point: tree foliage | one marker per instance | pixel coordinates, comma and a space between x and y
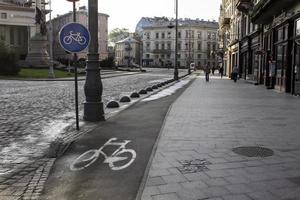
118, 34
8, 64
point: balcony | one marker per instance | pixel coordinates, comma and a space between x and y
265, 10
244, 5
161, 51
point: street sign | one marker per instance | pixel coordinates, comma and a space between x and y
74, 37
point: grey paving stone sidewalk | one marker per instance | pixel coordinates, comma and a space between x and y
195, 158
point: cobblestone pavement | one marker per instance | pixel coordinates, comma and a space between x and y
195, 158
35, 113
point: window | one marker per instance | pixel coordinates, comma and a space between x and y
3, 15
169, 35
163, 46
157, 35
2, 33
156, 46
12, 35
199, 35
298, 27
147, 55
199, 56
168, 56
179, 46
208, 36
199, 46
163, 35
169, 46
186, 34
179, 55
179, 34
148, 35
162, 56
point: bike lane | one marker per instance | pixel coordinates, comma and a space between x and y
137, 128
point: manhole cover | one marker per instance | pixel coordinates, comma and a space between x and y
193, 166
253, 151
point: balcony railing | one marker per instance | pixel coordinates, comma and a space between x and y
244, 5
162, 51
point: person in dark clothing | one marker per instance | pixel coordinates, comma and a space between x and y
213, 70
221, 71
207, 72
235, 73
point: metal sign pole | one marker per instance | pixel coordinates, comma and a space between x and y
74, 38
75, 72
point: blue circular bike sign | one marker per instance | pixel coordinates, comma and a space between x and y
74, 37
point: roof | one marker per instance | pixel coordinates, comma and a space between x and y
128, 39
148, 22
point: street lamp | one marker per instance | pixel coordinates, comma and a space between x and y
176, 40
93, 105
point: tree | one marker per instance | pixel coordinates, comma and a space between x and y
118, 34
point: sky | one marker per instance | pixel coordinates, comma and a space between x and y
127, 13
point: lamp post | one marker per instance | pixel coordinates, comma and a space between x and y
51, 71
93, 105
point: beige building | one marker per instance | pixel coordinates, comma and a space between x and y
127, 52
82, 18
197, 42
17, 25
229, 34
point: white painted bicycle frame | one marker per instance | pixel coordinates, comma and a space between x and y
110, 160
76, 37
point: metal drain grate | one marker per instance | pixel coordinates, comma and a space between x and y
252, 151
193, 166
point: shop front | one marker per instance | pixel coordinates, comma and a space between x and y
296, 67
244, 57
253, 69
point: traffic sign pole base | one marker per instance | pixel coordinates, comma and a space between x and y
93, 111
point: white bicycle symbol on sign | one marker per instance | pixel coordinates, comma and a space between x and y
89, 157
74, 37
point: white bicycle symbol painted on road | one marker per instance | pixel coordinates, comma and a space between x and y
74, 37
89, 157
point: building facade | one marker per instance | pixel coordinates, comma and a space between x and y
17, 25
268, 35
197, 42
127, 52
82, 18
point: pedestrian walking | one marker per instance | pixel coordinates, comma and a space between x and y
207, 72
235, 73
213, 70
221, 70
